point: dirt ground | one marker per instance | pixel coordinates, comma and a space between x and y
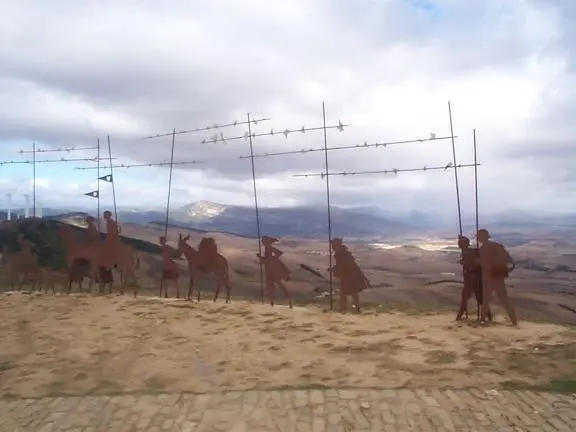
81, 344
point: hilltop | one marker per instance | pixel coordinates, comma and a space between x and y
418, 275
91, 346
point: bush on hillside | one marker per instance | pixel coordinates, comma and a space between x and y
44, 235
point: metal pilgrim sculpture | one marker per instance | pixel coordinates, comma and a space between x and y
99, 256
118, 254
77, 252
275, 271
92, 234
23, 265
352, 280
112, 234
205, 260
170, 270
485, 268
494, 260
472, 276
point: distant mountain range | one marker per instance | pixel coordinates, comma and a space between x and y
362, 223
305, 222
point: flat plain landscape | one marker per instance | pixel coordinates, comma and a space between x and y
405, 277
405, 335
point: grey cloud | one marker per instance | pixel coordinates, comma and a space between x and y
135, 68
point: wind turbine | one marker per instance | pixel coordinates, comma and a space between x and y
27, 208
9, 205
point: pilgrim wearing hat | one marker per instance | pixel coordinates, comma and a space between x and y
92, 233
494, 260
275, 270
352, 280
113, 242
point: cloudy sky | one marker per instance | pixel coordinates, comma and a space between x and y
72, 72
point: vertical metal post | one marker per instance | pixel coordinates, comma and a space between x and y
455, 169
481, 288
98, 181
113, 180
34, 179
113, 194
257, 210
328, 205
168, 198
476, 185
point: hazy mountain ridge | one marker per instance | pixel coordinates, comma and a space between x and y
305, 222
365, 223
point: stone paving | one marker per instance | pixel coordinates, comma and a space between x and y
296, 411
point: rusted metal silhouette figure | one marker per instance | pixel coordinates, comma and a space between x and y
170, 270
4, 265
128, 261
275, 270
23, 265
77, 272
494, 260
112, 231
94, 252
106, 277
51, 278
112, 242
90, 259
472, 278
92, 234
27, 248
97, 254
118, 254
206, 260
352, 280
81, 269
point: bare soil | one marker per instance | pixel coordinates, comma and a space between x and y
81, 344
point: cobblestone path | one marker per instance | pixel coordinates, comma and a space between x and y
297, 410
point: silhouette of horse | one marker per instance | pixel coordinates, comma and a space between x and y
205, 260
23, 265
94, 252
127, 260
98, 254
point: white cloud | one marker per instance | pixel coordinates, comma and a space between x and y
384, 67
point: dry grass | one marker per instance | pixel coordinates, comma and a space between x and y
95, 345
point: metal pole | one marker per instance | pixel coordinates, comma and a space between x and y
481, 283
113, 194
98, 181
455, 169
257, 210
328, 205
113, 181
168, 198
476, 185
34, 179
